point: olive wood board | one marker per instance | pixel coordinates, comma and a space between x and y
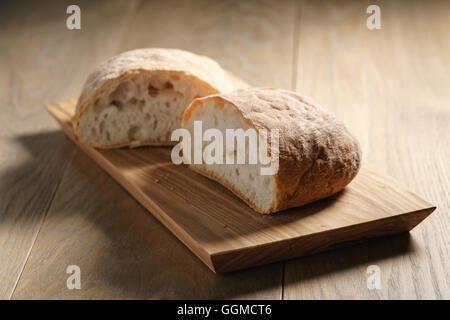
226, 234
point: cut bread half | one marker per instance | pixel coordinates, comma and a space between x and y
138, 97
316, 156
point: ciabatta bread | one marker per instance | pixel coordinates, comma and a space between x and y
138, 97
317, 155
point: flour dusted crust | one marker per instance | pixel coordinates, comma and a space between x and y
201, 72
317, 156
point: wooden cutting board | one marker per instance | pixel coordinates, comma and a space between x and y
226, 234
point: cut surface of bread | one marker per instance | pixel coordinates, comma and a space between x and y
317, 155
244, 179
138, 97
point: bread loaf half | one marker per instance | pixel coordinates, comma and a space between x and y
138, 97
317, 155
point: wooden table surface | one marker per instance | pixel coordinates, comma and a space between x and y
58, 208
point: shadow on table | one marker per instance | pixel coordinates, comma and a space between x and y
301, 273
127, 253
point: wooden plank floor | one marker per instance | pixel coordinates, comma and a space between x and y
391, 86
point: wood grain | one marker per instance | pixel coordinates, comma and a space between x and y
40, 61
252, 39
391, 88
241, 39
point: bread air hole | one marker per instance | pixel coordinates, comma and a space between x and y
152, 91
97, 106
120, 92
168, 85
132, 133
118, 104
